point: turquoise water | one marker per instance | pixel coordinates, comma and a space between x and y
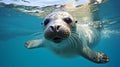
16, 28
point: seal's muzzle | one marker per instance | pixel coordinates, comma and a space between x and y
56, 33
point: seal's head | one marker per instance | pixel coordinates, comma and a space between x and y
58, 26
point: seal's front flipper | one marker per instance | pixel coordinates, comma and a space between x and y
34, 44
100, 58
96, 57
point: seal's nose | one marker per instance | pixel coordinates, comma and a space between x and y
55, 28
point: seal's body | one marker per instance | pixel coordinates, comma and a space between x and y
67, 38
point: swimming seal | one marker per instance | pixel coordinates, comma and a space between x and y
68, 38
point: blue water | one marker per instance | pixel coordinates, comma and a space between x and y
16, 28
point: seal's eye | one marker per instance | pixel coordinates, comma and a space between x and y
67, 20
46, 21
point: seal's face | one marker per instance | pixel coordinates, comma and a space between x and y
58, 26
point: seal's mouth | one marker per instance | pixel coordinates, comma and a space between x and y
57, 39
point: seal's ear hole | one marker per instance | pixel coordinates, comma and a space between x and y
41, 23
76, 21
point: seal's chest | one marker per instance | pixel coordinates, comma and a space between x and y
65, 52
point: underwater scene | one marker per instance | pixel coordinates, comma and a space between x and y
25, 20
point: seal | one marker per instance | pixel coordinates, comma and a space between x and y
66, 37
